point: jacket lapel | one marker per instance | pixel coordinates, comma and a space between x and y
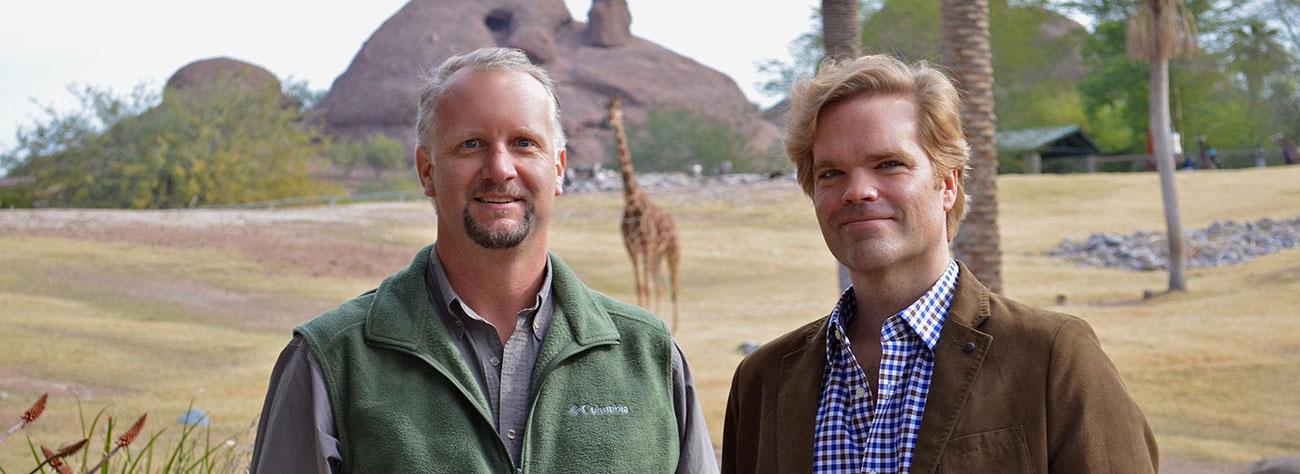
957, 360
798, 396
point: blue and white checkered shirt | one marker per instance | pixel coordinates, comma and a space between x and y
856, 433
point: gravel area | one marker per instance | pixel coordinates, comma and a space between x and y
1221, 243
611, 180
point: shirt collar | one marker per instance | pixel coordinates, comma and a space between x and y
924, 317
539, 315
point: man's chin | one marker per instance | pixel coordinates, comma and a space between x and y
499, 235
867, 257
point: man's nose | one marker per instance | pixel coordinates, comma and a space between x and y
861, 186
500, 165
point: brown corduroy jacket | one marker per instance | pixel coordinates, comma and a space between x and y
1015, 389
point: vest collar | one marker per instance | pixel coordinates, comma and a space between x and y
400, 313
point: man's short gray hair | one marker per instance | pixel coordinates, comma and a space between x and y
483, 59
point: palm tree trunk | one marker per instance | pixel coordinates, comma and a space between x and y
841, 31
1165, 165
967, 54
842, 37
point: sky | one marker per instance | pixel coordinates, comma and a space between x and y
47, 45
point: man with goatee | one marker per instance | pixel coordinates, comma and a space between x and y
487, 354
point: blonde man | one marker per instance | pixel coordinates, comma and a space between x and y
918, 368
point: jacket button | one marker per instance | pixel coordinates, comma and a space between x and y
512, 434
968, 348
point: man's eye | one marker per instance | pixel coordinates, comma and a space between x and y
829, 174
525, 142
474, 143
890, 164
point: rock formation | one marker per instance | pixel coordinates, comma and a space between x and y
589, 63
609, 23
200, 75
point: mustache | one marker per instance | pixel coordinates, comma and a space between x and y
861, 211
508, 189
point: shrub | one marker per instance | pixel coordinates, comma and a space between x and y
226, 145
673, 139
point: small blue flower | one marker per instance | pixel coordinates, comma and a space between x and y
194, 416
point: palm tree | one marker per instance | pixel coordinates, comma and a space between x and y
1158, 31
1256, 52
965, 51
842, 37
841, 29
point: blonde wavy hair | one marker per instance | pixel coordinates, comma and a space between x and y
938, 114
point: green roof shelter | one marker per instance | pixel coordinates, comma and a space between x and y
1045, 143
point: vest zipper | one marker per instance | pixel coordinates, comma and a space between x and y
465, 393
543, 375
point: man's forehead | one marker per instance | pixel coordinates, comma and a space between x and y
469, 77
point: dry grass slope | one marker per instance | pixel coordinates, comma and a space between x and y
144, 310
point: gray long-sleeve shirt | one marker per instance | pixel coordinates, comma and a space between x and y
297, 426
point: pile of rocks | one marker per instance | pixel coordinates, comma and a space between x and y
1222, 243
610, 180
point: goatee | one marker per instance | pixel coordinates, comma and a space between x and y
501, 238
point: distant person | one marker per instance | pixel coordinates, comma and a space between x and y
1259, 156
486, 354
723, 168
1207, 157
918, 365
1288, 148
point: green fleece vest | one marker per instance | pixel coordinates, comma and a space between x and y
404, 399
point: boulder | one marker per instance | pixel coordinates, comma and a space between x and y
199, 76
609, 23
377, 92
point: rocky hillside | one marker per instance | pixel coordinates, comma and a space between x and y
590, 62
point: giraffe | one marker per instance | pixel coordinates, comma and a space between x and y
649, 232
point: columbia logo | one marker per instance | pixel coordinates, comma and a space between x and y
587, 409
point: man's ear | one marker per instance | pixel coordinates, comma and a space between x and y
424, 168
949, 186
560, 164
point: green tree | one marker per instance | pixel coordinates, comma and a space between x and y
1114, 92
1256, 53
1029, 42
383, 153
226, 144
674, 139
346, 156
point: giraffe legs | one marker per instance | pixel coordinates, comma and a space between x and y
638, 275
658, 281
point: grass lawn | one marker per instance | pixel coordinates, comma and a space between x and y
142, 311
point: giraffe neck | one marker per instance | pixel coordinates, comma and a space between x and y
630, 188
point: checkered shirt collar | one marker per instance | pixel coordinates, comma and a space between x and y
924, 317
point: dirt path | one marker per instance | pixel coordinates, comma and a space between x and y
332, 242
